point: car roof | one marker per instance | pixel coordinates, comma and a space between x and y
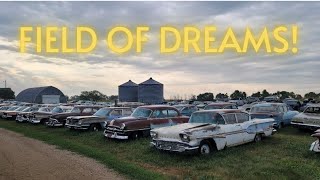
220, 104
153, 107
268, 104
116, 108
221, 111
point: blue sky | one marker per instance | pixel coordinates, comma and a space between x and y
180, 73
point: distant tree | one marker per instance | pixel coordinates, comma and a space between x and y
205, 97
6, 93
193, 97
265, 93
299, 97
312, 95
112, 98
222, 96
93, 96
238, 94
257, 94
74, 98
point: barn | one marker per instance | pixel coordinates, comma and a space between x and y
42, 95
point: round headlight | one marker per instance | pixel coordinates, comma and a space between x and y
122, 126
153, 134
80, 121
185, 137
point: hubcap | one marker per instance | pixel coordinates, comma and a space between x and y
95, 128
258, 138
205, 149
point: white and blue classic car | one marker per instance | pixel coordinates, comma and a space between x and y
280, 112
210, 130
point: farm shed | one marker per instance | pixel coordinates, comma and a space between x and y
45, 95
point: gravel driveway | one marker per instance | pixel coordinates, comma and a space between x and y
26, 158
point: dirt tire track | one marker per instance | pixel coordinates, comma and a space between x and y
26, 158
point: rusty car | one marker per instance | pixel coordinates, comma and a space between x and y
24, 114
59, 119
41, 117
308, 119
211, 130
98, 120
144, 118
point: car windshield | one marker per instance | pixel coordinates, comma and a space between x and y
262, 109
13, 108
179, 107
141, 112
26, 109
103, 112
212, 107
204, 117
43, 109
21, 108
57, 110
4, 108
292, 102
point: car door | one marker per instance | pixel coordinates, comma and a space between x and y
247, 131
232, 130
312, 116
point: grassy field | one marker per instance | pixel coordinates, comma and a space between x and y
283, 156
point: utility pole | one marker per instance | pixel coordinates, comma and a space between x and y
5, 83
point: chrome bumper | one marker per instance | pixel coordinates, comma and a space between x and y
54, 123
34, 121
80, 127
315, 146
173, 146
115, 135
21, 119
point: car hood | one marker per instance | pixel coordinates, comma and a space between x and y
64, 115
172, 132
86, 117
119, 121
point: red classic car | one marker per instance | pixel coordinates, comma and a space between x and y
142, 120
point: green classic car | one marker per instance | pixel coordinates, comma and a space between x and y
308, 119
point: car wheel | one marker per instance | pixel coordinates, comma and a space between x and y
258, 138
280, 126
134, 136
204, 148
94, 127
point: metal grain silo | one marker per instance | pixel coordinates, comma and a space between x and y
128, 92
150, 92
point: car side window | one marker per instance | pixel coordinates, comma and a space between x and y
280, 109
95, 110
242, 117
126, 112
116, 112
234, 107
159, 114
230, 118
220, 119
173, 113
227, 107
87, 110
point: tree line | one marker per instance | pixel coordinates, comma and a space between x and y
208, 96
94, 95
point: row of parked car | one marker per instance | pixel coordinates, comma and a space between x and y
180, 128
